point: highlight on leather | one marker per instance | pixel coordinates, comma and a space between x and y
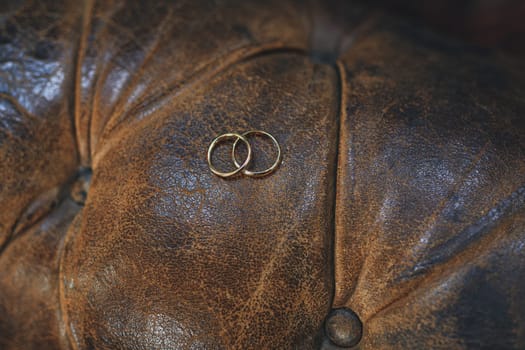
395, 220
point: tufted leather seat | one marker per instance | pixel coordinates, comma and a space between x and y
395, 221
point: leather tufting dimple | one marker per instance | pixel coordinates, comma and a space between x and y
80, 187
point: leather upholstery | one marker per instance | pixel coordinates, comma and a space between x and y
400, 196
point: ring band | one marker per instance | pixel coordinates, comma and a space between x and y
243, 166
239, 168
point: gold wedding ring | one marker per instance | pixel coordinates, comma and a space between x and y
222, 138
262, 172
243, 167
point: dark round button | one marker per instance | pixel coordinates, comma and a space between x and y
343, 327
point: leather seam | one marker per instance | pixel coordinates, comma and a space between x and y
87, 14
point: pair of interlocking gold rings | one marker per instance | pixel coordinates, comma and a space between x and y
243, 167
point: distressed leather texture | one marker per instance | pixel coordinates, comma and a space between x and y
400, 196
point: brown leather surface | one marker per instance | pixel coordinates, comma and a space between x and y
400, 195
430, 193
495, 23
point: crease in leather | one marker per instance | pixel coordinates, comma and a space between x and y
117, 110
409, 274
154, 103
114, 132
82, 147
148, 101
352, 38
69, 331
447, 269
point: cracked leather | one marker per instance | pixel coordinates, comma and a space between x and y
401, 193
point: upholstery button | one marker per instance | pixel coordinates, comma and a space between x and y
343, 327
80, 187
